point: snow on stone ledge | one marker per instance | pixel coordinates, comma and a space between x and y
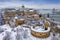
41, 30
58, 26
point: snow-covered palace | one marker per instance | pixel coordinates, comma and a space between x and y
28, 24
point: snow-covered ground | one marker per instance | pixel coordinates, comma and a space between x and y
20, 33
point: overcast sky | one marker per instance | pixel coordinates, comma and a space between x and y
31, 3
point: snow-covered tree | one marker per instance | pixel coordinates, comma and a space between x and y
8, 36
1, 30
1, 19
19, 35
25, 35
54, 37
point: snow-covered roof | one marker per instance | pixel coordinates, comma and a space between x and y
16, 17
31, 10
58, 26
35, 15
21, 19
24, 25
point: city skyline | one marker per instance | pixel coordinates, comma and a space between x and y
39, 4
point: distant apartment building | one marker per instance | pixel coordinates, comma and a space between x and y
54, 15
